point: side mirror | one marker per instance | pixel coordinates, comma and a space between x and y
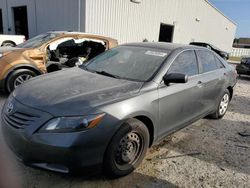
175, 78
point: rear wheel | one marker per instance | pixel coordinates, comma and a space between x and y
9, 43
126, 149
222, 106
18, 77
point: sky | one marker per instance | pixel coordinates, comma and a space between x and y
238, 11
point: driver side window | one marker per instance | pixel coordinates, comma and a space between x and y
185, 63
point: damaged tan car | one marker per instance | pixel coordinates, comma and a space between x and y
48, 52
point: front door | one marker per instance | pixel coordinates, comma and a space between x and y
180, 103
21, 21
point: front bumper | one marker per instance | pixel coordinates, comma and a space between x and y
61, 152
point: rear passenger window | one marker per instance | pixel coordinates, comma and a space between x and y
207, 60
185, 63
218, 62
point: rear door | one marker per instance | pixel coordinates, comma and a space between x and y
212, 80
180, 103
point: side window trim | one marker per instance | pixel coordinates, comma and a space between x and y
200, 68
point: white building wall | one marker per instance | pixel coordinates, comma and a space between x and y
126, 21
8, 17
130, 22
46, 15
4, 15
61, 15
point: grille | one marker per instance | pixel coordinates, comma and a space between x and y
20, 120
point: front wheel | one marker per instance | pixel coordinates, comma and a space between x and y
18, 77
222, 106
126, 149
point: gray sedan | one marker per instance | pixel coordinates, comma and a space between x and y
108, 112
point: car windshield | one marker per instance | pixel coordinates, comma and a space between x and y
38, 40
128, 62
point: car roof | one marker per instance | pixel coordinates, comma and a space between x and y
82, 33
199, 43
163, 45
204, 43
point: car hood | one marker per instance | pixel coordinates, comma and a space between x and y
6, 49
74, 92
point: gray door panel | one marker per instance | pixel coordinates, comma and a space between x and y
213, 83
179, 104
213, 79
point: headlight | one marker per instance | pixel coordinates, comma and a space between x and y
70, 124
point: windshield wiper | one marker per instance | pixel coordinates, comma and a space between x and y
107, 74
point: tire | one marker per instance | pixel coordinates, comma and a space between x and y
15, 79
126, 149
222, 106
12, 44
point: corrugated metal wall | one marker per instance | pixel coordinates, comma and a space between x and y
59, 15
8, 18
45, 15
129, 21
4, 16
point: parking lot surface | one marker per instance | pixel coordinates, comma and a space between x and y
208, 153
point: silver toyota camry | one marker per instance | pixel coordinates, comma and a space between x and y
109, 111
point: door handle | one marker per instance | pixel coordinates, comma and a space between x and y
199, 84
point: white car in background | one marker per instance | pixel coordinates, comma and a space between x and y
11, 40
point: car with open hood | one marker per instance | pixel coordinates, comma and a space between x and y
48, 52
108, 112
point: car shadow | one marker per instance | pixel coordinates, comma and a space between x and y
50, 179
237, 107
3, 94
217, 142
25, 176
